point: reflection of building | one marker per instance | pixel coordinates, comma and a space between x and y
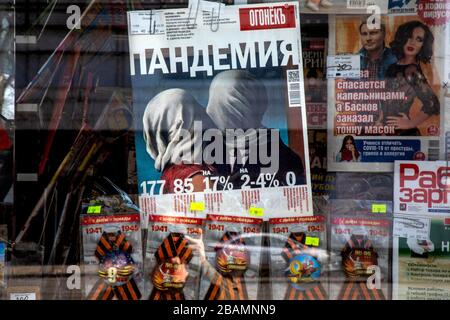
6, 64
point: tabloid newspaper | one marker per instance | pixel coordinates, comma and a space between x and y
422, 188
386, 100
421, 242
219, 110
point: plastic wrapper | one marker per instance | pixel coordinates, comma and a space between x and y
233, 258
363, 186
298, 258
359, 251
172, 269
112, 257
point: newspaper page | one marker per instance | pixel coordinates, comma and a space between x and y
219, 110
421, 258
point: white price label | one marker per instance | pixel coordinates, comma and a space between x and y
22, 296
344, 66
146, 22
356, 4
418, 228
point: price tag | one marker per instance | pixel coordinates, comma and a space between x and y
379, 208
311, 241
258, 212
94, 210
356, 4
197, 206
344, 66
22, 296
406, 227
147, 22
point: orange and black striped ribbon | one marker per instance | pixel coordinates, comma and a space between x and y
103, 291
356, 289
224, 287
104, 246
174, 245
293, 247
227, 288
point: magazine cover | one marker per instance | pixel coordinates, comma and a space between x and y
386, 99
314, 75
219, 107
233, 258
322, 181
421, 258
298, 258
359, 250
112, 257
422, 188
172, 268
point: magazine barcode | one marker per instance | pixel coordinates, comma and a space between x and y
294, 87
356, 4
294, 97
433, 150
433, 144
293, 77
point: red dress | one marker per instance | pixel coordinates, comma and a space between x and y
182, 171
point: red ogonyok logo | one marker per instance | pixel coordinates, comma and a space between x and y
274, 17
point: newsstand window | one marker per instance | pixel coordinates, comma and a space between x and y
224, 150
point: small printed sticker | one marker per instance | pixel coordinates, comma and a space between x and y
94, 209
259, 212
379, 208
311, 241
22, 296
344, 66
146, 22
197, 206
417, 228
